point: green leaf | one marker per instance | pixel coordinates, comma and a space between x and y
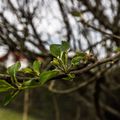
36, 67
27, 70
81, 54
65, 58
55, 62
5, 86
55, 50
30, 84
13, 69
9, 97
65, 46
47, 75
76, 60
69, 76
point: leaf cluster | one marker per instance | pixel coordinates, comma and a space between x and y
61, 63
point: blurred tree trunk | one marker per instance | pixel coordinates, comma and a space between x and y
26, 105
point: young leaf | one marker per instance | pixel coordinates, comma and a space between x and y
65, 46
47, 75
78, 57
76, 60
9, 97
55, 50
36, 67
26, 70
81, 54
55, 62
13, 69
5, 86
65, 58
69, 76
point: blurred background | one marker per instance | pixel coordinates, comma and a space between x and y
29, 27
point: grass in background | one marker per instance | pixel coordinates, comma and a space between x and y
7, 114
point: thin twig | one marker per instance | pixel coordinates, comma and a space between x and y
81, 85
110, 59
99, 30
21, 78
